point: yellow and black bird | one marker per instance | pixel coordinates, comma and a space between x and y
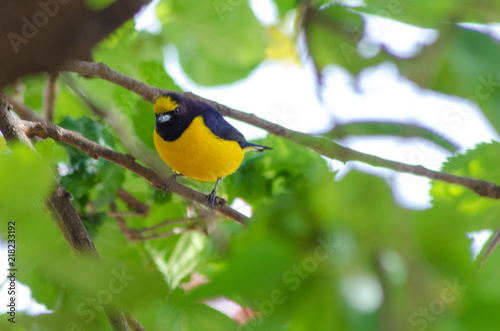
195, 140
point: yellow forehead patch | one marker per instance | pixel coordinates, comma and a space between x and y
164, 104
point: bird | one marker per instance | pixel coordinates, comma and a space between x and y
195, 140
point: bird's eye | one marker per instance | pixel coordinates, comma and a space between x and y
177, 110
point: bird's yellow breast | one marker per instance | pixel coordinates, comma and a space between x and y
200, 154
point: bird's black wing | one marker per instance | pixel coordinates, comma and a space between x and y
219, 126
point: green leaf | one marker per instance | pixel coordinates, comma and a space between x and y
137, 54
313, 306
111, 179
144, 123
90, 129
88, 178
465, 212
93, 222
332, 36
26, 181
34, 86
192, 317
3, 146
218, 42
68, 104
433, 13
479, 306
475, 212
118, 253
98, 4
289, 262
26, 184
171, 208
264, 175
464, 63
51, 151
153, 73
285, 6
46, 148
182, 260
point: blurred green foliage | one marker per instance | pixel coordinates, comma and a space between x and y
320, 253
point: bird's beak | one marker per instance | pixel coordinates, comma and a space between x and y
162, 118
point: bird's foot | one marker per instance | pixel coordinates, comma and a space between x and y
212, 199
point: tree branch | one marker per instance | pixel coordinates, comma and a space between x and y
50, 95
67, 219
141, 234
488, 248
132, 202
21, 110
371, 128
133, 324
319, 144
75, 139
101, 70
70, 34
171, 222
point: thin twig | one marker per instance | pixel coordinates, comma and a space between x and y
125, 214
71, 84
75, 139
116, 214
50, 95
133, 324
139, 234
166, 234
171, 222
488, 248
319, 144
132, 202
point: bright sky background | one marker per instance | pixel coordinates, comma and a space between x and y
287, 94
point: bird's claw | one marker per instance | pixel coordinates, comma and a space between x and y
213, 199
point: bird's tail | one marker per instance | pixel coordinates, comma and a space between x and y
254, 147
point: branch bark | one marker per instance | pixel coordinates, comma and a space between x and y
320, 144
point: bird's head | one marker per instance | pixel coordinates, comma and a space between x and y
174, 113
167, 107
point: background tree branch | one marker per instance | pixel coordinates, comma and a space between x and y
65, 214
69, 31
22, 110
372, 128
50, 95
322, 145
